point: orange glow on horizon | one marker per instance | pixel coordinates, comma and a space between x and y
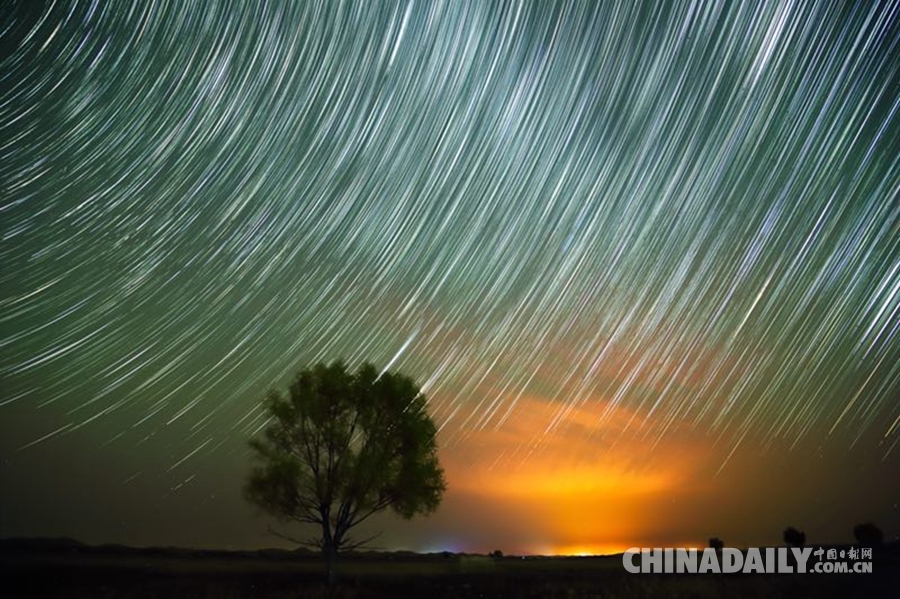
586, 489
585, 550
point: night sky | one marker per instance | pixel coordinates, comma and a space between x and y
643, 260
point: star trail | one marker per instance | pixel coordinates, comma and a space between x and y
665, 232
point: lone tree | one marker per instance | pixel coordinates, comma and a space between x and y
868, 534
794, 537
341, 447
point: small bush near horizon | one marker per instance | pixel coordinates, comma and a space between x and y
868, 534
794, 537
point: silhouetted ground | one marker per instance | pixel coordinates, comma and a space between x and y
67, 569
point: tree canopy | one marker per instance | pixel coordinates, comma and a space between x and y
342, 446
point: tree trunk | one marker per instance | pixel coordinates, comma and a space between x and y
331, 559
329, 546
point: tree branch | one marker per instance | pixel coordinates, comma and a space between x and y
308, 543
350, 545
379, 505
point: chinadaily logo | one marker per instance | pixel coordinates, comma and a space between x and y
768, 560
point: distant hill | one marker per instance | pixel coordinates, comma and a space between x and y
54, 544
67, 545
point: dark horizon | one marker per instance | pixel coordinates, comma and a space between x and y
642, 259
66, 543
